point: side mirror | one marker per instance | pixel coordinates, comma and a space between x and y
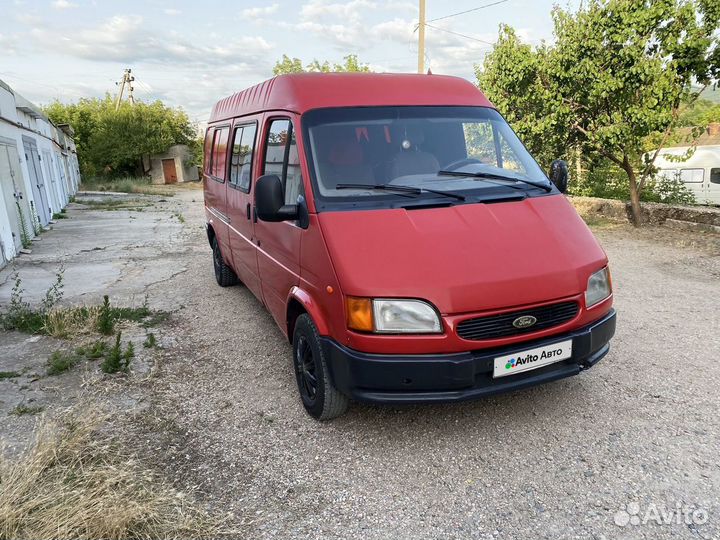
270, 202
559, 174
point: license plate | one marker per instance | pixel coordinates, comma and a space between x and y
510, 364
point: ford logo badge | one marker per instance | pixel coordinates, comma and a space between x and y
526, 321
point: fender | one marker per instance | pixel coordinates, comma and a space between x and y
310, 306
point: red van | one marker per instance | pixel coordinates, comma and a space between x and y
403, 239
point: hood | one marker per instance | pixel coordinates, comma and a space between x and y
464, 258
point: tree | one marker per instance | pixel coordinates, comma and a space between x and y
120, 142
294, 65
618, 73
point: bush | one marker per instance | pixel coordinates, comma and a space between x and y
611, 183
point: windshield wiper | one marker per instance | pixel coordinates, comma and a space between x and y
546, 187
401, 189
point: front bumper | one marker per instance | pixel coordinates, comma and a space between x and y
457, 377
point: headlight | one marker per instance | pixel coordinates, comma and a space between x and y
599, 287
386, 316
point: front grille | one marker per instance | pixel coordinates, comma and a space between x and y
498, 326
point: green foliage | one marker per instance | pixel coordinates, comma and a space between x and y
700, 113
106, 321
59, 215
150, 341
116, 360
114, 143
35, 219
608, 181
21, 316
24, 235
294, 65
9, 375
618, 72
62, 361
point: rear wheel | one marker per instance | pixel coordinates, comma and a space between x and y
320, 398
224, 275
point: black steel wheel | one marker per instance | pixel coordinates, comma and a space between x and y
318, 394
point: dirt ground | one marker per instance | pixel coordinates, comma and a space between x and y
217, 409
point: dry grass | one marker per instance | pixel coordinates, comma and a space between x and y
76, 482
70, 322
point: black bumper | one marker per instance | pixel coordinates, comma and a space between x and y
456, 377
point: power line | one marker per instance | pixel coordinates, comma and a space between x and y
458, 34
466, 11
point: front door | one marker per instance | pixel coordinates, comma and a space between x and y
169, 171
37, 182
278, 244
239, 204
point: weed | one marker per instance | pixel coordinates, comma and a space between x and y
21, 410
54, 294
129, 353
64, 210
116, 360
9, 374
37, 228
179, 217
61, 361
59, 215
24, 234
106, 321
150, 341
97, 350
20, 316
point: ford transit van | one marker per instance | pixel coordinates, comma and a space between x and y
403, 239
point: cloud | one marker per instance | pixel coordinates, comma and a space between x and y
63, 4
172, 12
124, 38
259, 12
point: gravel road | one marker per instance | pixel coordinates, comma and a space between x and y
638, 434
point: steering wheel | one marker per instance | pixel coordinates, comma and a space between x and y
460, 163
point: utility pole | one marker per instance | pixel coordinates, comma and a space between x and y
421, 38
128, 79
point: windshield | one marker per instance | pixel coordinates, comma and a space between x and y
415, 147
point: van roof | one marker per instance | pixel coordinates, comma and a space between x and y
300, 92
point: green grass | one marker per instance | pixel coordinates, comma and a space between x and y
150, 341
21, 410
62, 361
9, 374
59, 215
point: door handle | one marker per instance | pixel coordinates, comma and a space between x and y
247, 210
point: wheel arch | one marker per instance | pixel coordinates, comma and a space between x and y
299, 302
210, 233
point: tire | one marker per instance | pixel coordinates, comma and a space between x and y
320, 398
224, 275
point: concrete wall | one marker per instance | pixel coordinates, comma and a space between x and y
185, 172
23, 125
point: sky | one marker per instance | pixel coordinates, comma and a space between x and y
191, 53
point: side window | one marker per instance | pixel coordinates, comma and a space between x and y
282, 158
242, 155
715, 176
207, 150
293, 182
692, 176
219, 153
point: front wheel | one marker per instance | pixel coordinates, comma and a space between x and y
320, 398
